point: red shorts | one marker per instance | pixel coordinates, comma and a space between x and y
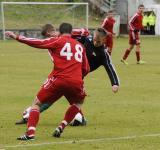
134, 38
55, 88
109, 41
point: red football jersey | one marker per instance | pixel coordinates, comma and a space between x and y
135, 22
108, 24
68, 55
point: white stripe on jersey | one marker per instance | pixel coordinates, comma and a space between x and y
104, 22
49, 52
33, 39
111, 65
132, 20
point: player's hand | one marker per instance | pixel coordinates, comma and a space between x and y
115, 88
109, 33
10, 34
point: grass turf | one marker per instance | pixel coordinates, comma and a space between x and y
134, 110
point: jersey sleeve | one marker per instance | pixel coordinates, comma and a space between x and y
104, 23
80, 32
85, 65
107, 63
38, 43
132, 23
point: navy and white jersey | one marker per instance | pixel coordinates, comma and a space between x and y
98, 56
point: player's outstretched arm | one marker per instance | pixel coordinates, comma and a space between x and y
33, 42
111, 73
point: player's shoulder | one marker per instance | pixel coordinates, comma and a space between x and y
135, 15
106, 19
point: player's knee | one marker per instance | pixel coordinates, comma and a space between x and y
44, 106
131, 47
36, 106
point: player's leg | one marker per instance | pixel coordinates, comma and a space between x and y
49, 93
75, 94
25, 114
109, 44
126, 54
43, 107
132, 42
138, 55
79, 119
32, 121
69, 116
137, 51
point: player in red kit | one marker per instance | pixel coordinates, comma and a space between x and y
135, 25
108, 25
70, 66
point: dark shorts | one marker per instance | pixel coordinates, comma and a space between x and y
55, 88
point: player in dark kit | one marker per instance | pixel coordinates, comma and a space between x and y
70, 67
96, 55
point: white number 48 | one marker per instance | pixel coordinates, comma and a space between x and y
66, 51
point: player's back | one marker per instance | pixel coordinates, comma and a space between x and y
67, 54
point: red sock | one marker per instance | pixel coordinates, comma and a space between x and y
138, 55
32, 122
126, 54
69, 116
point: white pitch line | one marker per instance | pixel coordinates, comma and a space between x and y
84, 141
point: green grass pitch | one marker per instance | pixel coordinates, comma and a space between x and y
133, 111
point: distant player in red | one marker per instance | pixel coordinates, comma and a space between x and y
108, 25
135, 25
70, 66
